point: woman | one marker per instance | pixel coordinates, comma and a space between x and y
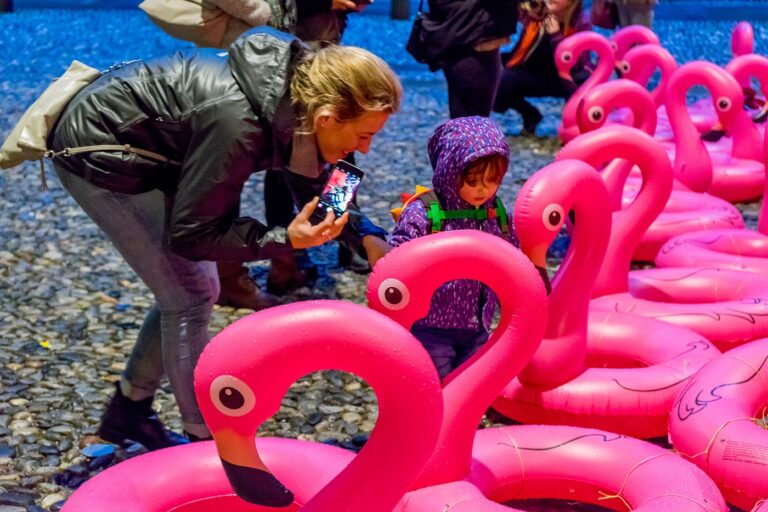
529, 71
270, 103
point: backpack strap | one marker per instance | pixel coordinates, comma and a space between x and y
436, 215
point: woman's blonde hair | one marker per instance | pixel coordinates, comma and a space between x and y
345, 82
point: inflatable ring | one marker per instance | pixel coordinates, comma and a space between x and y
592, 466
713, 424
728, 307
737, 249
631, 399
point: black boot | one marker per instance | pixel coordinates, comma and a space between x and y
287, 273
127, 419
351, 260
239, 290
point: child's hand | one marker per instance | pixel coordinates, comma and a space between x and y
302, 234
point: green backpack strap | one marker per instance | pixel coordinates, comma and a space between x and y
436, 215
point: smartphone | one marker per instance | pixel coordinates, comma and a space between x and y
363, 2
340, 189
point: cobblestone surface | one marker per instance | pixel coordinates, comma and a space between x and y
70, 308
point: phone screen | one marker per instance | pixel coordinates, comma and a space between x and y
341, 187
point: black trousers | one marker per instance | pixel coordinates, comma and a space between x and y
518, 83
472, 80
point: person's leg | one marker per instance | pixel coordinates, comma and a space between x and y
184, 291
469, 343
635, 14
472, 82
515, 85
438, 343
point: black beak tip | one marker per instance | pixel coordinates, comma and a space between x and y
713, 135
257, 486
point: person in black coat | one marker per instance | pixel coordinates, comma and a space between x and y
183, 135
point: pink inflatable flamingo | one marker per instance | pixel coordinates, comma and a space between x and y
626, 38
717, 422
639, 65
567, 54
547, 461
685, 211
738, 249
400, 288
742, 39
633, 400
240, 380
692, 163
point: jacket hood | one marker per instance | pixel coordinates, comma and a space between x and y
454, 146
262, 62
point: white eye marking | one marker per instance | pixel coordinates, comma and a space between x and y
724, 104
566, 56
394, 294
231, 396
596, 114
553, 216
625, 67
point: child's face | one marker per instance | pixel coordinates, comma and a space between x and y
478, 188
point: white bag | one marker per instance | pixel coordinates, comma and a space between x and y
28, 139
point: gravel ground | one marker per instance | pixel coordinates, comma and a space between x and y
70, 308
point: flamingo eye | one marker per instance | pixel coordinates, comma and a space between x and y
596, 114
231, 396
394, 294
614, 46
724, 104
566, 57
625, 67
553, 216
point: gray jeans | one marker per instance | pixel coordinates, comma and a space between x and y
175, 329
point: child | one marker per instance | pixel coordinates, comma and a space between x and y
469, 156
529, 70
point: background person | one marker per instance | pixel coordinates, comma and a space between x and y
529, 70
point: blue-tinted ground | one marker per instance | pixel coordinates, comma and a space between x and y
37, 45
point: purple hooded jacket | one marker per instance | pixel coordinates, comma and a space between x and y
462, 304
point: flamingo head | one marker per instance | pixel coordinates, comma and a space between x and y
627, 38
727, 96
544, 201
593, 109
742, 39
402, 282
570, 49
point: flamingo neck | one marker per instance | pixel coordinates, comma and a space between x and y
601, 74
573, 282
693, 165
408, 408
615, 175
470, 389
762, 220
747, 141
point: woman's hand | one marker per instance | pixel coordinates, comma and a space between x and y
551, 25
376, 248
303, 234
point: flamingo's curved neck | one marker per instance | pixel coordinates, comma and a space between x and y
693, 165
601, 74
407, 408
762, 220
573, 282
470, 389
747, 141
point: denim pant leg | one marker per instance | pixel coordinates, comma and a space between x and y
438, 345
184, 290
470, 344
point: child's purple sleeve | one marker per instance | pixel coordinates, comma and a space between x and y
411, 224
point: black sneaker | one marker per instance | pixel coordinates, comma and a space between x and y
530, 121
127, 420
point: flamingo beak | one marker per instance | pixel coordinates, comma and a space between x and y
565, 75
761, 116
714, 134
249, 477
